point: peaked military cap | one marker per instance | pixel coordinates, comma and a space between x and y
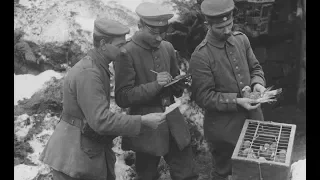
218, 12
106, 27
153, 14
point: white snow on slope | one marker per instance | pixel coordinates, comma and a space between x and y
26, 85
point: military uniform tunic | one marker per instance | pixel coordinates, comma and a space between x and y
136, 88
219, 72
86, 97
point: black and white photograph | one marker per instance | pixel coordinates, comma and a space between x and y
160, 89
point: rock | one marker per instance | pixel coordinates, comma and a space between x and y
298, 170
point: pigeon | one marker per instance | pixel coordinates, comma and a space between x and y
263, 150
272, 150
246, 144
262, 158
251, 154
281, 156
267, 96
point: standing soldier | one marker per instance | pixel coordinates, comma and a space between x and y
80, 147
143, 91
221, 66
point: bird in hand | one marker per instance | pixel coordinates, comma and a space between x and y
267, 95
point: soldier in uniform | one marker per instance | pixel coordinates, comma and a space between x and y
80, 147
221, 65
143, 91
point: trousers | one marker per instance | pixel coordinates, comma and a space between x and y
181, 163
221, 159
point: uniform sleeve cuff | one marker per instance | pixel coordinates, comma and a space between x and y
230, 100
232, 106
258, 80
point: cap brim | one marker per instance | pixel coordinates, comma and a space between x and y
156, 22
223, 24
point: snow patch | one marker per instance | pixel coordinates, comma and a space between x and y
24, 172
85, 23
298, 170
26, 85
21, 127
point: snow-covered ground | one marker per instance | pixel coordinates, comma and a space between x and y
298, 170
26, 85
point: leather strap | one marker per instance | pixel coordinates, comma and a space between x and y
74, 121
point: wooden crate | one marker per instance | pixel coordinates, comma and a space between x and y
254, 136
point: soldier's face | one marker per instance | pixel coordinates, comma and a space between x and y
113, 48
221, 33
119, 41
154, 35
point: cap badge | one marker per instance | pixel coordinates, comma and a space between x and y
160, 22
225, 18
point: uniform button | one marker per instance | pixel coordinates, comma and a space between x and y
234, 100
239, 75
221, 100
241, 83
155, 57
230, 52
237, 67
234, 60
158, 66
227, 100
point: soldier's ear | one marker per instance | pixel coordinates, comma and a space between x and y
102, 42
140, 26
206, 23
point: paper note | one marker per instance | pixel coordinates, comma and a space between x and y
172, 107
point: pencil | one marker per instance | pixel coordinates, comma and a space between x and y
153, 71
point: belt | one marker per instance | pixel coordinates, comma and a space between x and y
74, 121
77, 122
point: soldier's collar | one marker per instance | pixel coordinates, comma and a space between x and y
220, 44
137, 38
101, 60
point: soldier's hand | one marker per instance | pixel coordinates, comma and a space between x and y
164, 78
249, 104
153, 120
